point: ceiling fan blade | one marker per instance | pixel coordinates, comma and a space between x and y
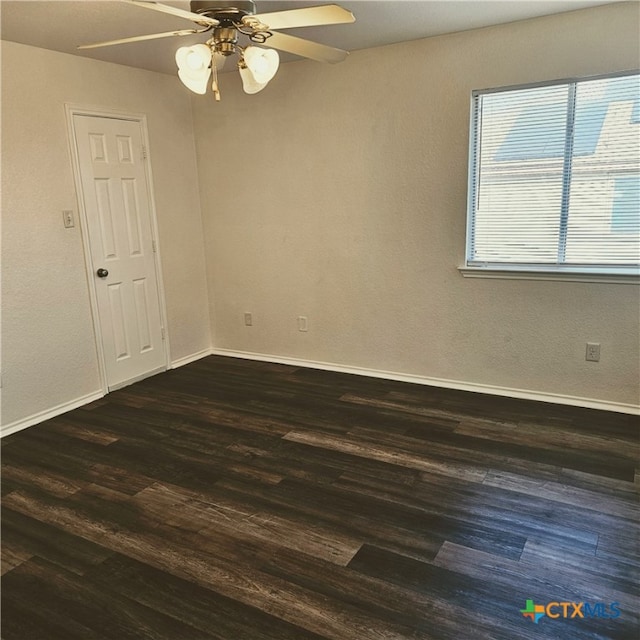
181, 13
306, 17
151, 36
306, 48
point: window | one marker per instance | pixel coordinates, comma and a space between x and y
555, 177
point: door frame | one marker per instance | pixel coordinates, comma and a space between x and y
72, 110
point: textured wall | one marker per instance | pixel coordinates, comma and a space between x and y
339, 193
49, 355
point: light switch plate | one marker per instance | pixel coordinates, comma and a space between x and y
67, 218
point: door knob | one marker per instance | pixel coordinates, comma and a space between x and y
102, 273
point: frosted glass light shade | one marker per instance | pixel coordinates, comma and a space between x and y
194, 58
193, 67
249, 83
263, 63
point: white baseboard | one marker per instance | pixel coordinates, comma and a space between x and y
539, 396
525, 394
180, 362
36, 418
23, 423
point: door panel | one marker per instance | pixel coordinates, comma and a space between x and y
116, 201
118, 321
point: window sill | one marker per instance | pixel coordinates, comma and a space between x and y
542, 274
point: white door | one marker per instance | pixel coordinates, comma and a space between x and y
115, 192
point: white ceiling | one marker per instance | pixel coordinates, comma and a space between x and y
62, 25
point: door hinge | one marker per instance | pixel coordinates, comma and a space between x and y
144, 152
154, 247
162, 332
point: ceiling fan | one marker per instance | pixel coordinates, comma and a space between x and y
228, 20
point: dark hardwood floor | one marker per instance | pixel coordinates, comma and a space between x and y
241, 500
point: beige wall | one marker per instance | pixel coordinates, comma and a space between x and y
49, 356
339, 193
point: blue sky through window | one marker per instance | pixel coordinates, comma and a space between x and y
539, 131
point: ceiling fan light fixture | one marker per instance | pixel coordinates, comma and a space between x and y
197, 85
249, 83
200, 63
194, 67
195, 58
262, 63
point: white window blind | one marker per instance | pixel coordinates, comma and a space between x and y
555, 177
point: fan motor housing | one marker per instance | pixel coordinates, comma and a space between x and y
227, 13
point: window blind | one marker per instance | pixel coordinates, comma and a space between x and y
555, 176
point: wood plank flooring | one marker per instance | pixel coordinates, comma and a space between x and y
238, 500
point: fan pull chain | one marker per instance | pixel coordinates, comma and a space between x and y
214, 83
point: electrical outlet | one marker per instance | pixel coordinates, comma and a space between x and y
302, 323
67, 218
248, 320
593, 352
